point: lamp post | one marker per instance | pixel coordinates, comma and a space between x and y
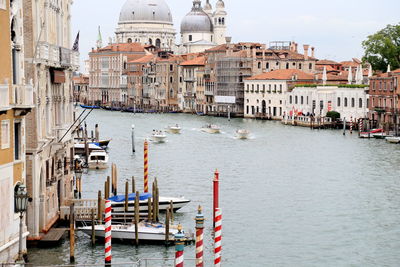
78, 175
21, 200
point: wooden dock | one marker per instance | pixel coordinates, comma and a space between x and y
54, 236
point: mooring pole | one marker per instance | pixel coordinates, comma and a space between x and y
107, 234
146, 166
179, 247
133, 185
218, 237
71, 233
97, 133
215, 193
137, 217
199, 237
133, 139
344, 126
93, 230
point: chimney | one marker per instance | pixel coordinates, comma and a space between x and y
312, 52
296, 47
293, 46
228, 40
306, 51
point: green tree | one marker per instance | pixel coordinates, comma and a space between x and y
383, 48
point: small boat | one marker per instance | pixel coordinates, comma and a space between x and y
243, 134
158, 137
118, 203
151, 232
80, 148
174, 129
371, 133
210, 128
98, 160
104, 143
393, 139
89, 107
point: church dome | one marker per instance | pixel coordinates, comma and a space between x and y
196, 20
145, 11
220, 4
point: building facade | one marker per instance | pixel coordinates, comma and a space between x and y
81, 89
16, 101
50, 64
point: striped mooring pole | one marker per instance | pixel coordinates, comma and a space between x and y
179, 247
218, 237
351, 125
360, 126
215, 193
199, 237
107, 234
146, 166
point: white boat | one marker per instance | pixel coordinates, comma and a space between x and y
210, 128
393, 139
80, 148
158, 137
174, 129
118, 203
98, 160
243, 134
146, 231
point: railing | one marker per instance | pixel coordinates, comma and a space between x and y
189, 79
57, 56
23, 95
4, 96
82, 209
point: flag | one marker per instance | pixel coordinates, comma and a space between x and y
75, 47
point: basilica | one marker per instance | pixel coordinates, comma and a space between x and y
150, 22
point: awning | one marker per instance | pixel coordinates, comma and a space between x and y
58, 76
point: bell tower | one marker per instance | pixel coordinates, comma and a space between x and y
219, 21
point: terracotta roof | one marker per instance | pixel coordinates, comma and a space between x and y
396, 71
327, 62
349, 64
221, 47
143, 59
122, 47
199, 61
286, 74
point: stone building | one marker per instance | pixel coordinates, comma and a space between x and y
107, 76
81, 89
384, 104
16, 101
148, 22
50, 64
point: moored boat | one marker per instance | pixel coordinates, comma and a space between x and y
210, 128
243, 133
89, 107
98, 160
393, 139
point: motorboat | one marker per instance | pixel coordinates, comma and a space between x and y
176, 129
158, 137
80, 148
98, 160
211, 128
151, 232
372, 133
243, 134
118, 203
89, 107
393, 139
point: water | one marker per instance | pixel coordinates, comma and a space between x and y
290, 196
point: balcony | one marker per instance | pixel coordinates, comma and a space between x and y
4, 97
56, 56
189, 79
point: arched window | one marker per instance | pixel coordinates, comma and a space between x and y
295, 99
190, 38
158, 43
223, 21
301, 100
267, 65
360, 103
150, 42
353, 102
310, 66
259, 65
252, 87
338, 101
287, 65
299, 66
290, 99
129, 40
345, 101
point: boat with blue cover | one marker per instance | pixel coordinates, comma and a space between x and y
89, 107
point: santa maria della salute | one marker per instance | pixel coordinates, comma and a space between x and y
150, 22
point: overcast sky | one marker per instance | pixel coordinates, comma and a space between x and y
335, 28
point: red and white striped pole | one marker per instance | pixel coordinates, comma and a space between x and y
218, 237
199, 238
146, 167
179, 247
351, 124
107, 232
216, 193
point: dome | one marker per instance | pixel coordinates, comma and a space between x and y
145, 10
220, 4
196, 20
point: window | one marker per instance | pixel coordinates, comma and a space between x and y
2, 4
299, 66
267, 65
345, 101
338, 101
259, 65
158, 43
5, 134
190, 38
287, 65
295, 99
17, 141
301, 100
171, 67
310, 66
129, 40
321, 105
252, 110
353, 102
290, 99
247, 109
360, 103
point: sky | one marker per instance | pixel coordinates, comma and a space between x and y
335, 28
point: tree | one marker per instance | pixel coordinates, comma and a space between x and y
333, 114
383, 48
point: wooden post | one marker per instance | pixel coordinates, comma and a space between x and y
154, 206
137, 217
149, 209
167, 227
71, 233
133, 185
93, 231
112, 178
99, 209
126, 195
105, 189
115, 181
108, 188
171, 209
157, 205
80, 188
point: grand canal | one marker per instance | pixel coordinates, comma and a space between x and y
290, 196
